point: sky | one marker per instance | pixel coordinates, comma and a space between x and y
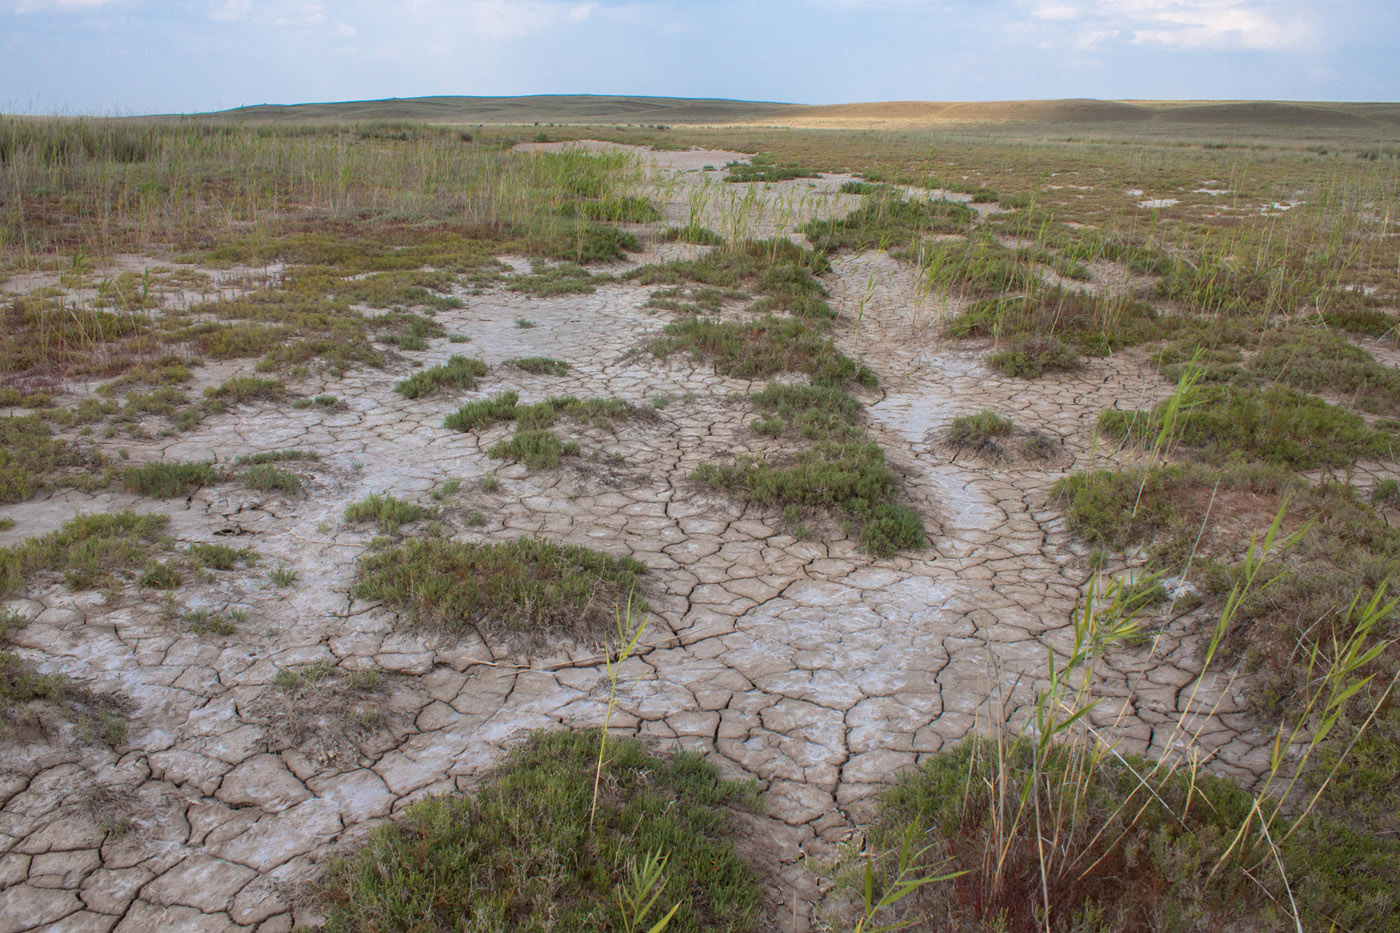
116, 57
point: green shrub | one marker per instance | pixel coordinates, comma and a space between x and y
473, 416
539, 365
519, 853
850, 478
88, 550
29, 455
265, 477
278, 456
538, 450
459, 372
561, 279
762, 168
888, 222
1120, 508
762, 348
158, 576
1277, 425
1032, 357
220, 556
246, 389
168, 480
387, 510
1125, 856
528, 586
983, 433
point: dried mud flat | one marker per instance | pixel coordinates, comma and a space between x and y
802, 663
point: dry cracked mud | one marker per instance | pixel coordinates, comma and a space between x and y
806, 665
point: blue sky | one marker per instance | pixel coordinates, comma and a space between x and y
142, 56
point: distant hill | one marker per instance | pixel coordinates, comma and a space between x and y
590, 109
544, 108
1251, 114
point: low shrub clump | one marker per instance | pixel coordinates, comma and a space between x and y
266, 477
1125, 854
89, 551
246, 389
763, 348
459, 372
561, 279
1090, 324
386, 510
537, 449
473, 416
169, 480
762, 167
888, 222
29, 455
850, 478
525, 851
984, 432
539, 365
529, 587
1277, 425
1032, 357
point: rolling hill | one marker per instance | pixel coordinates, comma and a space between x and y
1152, 116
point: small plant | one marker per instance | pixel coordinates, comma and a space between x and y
528, 587
459, 372
89, 551
523, 323
538, 450
204, 622
265, 477
278, 456
386, 510
474, 416
168, 480
221, 556
489, 861
982, 431
446, 489
539, 365
292, 680
282, 576
1386, 493
159, 576
246, 389
489, 482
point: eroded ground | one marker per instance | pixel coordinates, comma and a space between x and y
798, 661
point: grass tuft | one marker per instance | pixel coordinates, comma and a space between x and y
88, 551
386, 510
528, 587
520, 853
537, 449
459, 372
168, 480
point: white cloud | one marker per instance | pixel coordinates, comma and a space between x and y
1057, 11
56, 6
1180, 24
504, 19
231, 10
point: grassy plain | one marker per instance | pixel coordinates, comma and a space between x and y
1255, 250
